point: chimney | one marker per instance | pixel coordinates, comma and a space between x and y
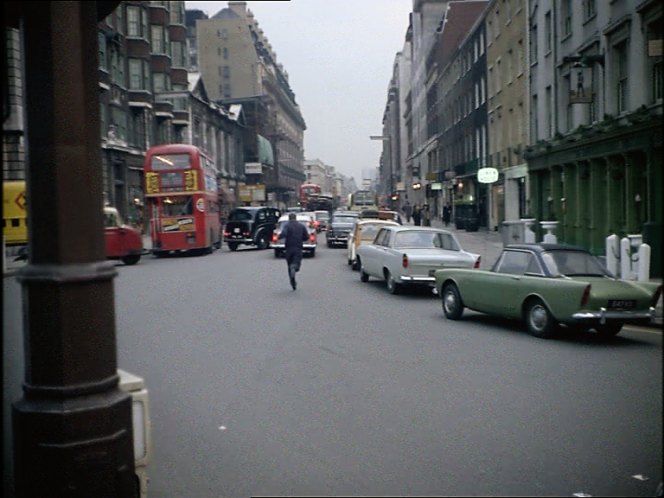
240, 8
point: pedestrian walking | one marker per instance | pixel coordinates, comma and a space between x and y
407, 209
426, 216
294, 234
447, 214
417, 215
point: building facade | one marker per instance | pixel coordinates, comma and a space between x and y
238, 65
595, 161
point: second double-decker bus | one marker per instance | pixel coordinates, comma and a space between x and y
182, 199
363, 199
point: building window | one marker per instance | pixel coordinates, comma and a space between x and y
103, 64
533, 43
117, 68
225, 53
548, 33
178, 54
119, 121
567, 87
588, 9
566, 18
138, 133
621, 71
161, 82
548, 115
135, 22
654, 62
119, 19
176, 12
158, 39
533, 122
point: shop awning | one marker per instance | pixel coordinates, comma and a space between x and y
265, 152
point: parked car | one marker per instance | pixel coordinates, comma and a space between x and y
322, 218
341, 224
364, 232
309, 247
409, 255
546, 285
123, 242
466, 216
252, 226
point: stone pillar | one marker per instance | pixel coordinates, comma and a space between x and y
72, 429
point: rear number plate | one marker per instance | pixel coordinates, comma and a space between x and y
622, 304
236, 230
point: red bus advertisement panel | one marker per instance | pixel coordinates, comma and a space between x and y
182, 199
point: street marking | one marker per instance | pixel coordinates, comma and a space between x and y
222, 427
581, 493
640, 477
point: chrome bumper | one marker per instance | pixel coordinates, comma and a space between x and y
625, 316
408, 279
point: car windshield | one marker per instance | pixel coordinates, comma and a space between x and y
573, 263
322, 216
414, 239
240, 215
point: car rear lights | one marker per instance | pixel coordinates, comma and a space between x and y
274, 237
586, 295
227, 233
655, 298
404, 261
477, 262
312, 237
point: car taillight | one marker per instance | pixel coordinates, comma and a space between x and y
312, 237
404, 261
586, 295
477, 262
655, 298
227, 233
274, 237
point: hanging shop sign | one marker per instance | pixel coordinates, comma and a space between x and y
487, 175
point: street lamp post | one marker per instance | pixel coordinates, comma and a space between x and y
387, 175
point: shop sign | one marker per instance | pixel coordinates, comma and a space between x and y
487, 175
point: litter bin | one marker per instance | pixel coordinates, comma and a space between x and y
513, 232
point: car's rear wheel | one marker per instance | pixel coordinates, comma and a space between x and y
312, 253
452, 303
539, 320
132, 259
392, 285
233, 246
609, 329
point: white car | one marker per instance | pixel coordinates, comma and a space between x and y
365, 232
309, 247
409, 255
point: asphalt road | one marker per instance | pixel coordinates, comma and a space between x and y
340, 388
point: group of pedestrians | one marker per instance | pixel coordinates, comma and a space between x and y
421, 216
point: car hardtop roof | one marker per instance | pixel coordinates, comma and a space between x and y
545, 246
298, 216
346, 213
370, 221
418, 228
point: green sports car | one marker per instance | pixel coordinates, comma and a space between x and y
546, 285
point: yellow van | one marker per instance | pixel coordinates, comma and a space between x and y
14, 213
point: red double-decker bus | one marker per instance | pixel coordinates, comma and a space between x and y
182, 199
307, 189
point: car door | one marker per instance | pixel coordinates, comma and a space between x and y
501, 291
373, 254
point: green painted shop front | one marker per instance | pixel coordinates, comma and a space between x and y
600, 181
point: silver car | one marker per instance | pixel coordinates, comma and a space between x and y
409, 255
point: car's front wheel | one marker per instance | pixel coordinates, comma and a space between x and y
262, 242
132, 259
364, 276
452, 303
609, 329
539, 320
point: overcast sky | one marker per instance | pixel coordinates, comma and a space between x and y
339, 56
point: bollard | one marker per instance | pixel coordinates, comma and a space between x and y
625, 259
613, 254
643, 274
